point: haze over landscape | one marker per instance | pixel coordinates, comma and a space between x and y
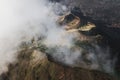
50, 33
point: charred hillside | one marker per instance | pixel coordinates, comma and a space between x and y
105, 10
105, 15
36, 63
81, 44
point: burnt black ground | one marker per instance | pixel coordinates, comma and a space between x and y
104, 14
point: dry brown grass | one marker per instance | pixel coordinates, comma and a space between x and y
31, 67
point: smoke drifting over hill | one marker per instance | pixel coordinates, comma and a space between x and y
23, 20
20, 21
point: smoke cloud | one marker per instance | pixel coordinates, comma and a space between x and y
22, 20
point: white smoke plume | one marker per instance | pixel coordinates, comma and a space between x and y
22, 20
